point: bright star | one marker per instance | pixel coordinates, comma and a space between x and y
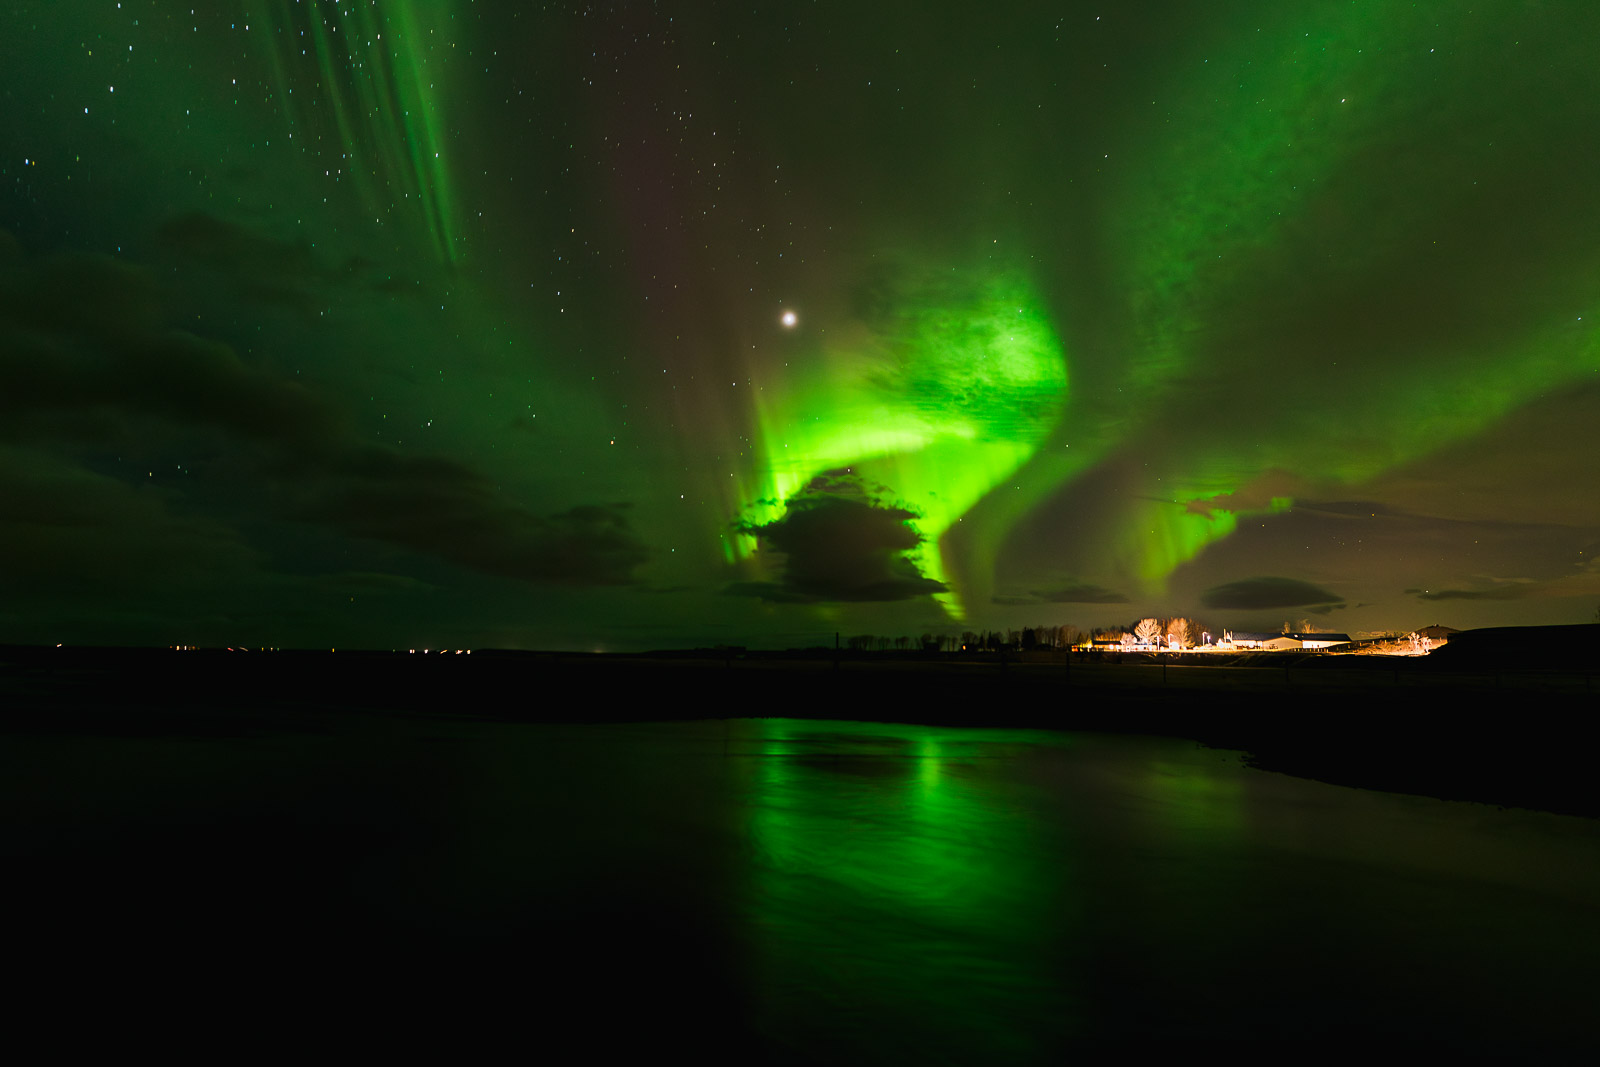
789, 319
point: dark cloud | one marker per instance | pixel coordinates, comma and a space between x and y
370, 582
444, 509
1082, 593
840, 542
1514, 471
771, 591
1582, 581
1507, 591
1360, 509
1472, 594
231, 248
11, 255
260, 268
1254, 594
70, 532
1259, 495
86, 363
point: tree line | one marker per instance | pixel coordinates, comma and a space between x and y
1027, 639
1148, 632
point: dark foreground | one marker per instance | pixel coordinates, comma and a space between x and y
1472, 728
216, 855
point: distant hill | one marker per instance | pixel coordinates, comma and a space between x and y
1524, 646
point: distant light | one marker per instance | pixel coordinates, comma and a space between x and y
789, 319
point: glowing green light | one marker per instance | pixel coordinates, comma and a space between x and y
950, 394
869, 845
379, 76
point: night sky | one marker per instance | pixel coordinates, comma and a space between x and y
424, 323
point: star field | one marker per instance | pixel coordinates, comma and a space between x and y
392, 323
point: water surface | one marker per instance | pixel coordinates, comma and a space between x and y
795, 889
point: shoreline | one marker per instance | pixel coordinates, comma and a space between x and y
1403, 727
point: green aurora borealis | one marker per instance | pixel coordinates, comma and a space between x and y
399, 323
942, 404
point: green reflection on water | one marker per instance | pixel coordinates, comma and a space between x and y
1197, 803
901, 885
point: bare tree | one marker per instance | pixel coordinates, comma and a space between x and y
1178, 633
1148, 630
